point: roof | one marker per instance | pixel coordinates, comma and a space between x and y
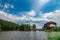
51, 22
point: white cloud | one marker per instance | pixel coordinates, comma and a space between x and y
8, 17
42, 2
8, 6
38, 19
46, 16
54, 16
24, 17
39, 4
31, 13
11, 17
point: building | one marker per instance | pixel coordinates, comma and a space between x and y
49, 25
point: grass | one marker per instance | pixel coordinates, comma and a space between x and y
54, 36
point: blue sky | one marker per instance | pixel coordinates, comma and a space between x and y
30, 11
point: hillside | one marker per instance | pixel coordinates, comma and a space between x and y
9, 26
5, 25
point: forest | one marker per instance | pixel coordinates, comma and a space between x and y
10, 26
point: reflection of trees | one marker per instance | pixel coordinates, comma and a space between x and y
33, 36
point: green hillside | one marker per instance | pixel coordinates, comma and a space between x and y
9, 26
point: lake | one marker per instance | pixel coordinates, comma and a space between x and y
23, 35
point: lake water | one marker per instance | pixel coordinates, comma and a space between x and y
23, 35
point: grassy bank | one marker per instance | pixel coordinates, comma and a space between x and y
54, 36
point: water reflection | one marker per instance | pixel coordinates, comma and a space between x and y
23, 35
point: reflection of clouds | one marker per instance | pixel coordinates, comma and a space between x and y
33, 35
23, 35
41, 35
38, 35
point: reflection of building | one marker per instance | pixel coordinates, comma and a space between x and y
49, 25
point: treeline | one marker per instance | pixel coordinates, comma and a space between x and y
53, 29
56, 29
9, 26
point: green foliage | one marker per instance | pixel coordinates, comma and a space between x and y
53, 29
56, 29
54, 36
25, 27
34, 26
9, 26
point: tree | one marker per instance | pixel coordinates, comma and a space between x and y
9, 26
34, 26
22, 27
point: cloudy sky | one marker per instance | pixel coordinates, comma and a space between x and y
30, 11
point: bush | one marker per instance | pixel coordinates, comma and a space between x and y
54, 36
